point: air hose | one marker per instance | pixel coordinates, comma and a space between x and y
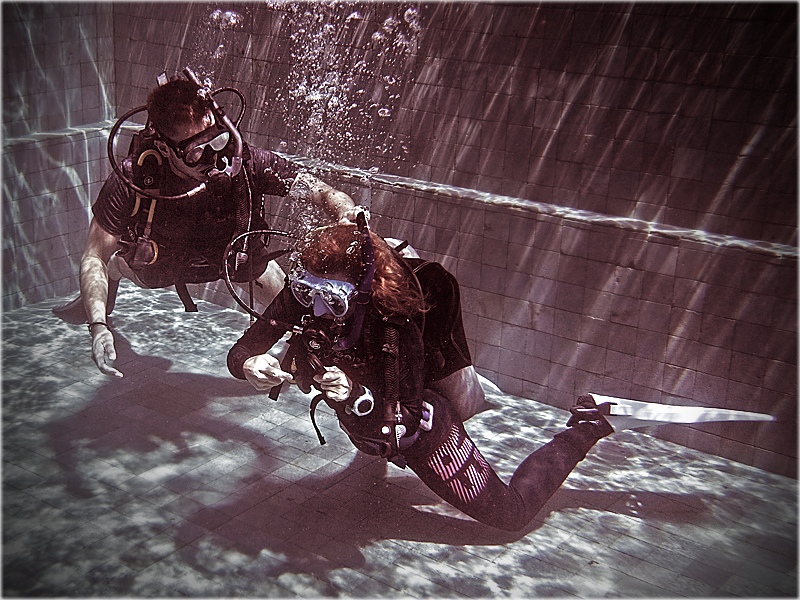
243, 198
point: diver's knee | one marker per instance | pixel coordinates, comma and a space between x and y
118, 269
114, 267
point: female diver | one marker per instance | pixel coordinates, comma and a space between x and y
360, 337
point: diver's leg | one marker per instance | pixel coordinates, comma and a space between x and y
117, 269
449, 463
464, 391
544, 471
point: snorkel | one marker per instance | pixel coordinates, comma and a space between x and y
364, 288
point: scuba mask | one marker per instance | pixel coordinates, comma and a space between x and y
201, 148
330, 296
346, 302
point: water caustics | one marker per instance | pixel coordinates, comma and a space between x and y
371, 177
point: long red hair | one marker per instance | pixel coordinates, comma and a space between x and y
337, 249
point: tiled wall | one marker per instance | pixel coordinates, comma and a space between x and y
557, 304
49, 183
676, 113
57, 66
57, 98
652, 147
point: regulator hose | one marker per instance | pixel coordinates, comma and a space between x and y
149, 193
271, 256
243, 199
116, 168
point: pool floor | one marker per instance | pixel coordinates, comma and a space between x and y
179, 480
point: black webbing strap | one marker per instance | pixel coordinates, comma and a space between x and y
312, 409
186, 298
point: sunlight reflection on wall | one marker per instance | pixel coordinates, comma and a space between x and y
57, 102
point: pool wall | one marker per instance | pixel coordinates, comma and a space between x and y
614, 185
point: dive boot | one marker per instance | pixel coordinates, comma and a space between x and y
586, 410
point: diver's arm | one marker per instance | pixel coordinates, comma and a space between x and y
275, 175
100, 246
335, 202
262, 335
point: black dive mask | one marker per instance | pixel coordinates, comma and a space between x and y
202, 148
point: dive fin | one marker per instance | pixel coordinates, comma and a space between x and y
631, 414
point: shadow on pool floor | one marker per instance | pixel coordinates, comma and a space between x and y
179, 480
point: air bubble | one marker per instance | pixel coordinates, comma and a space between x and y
226, 19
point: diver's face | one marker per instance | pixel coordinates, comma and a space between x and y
331, 296
181, 132
184, 131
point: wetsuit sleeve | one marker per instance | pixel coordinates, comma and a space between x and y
272, 174
264, 334
114, 205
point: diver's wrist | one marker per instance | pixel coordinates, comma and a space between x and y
93, 324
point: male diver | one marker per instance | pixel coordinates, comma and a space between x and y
166, 215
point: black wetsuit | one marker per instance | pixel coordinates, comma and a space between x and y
191, 233
444, 458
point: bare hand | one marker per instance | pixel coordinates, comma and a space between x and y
103, 351
336, 385
263, 371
